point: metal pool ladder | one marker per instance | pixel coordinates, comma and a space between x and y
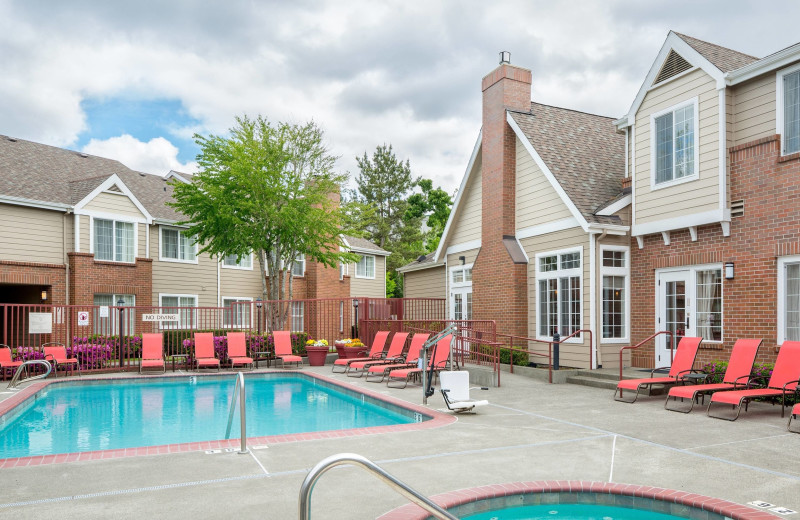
238, 388
304, 511
15, 380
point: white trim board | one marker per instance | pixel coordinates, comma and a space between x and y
464, 246
612, 208
111, 181
546, 171
683, 222
549, 227
456, 203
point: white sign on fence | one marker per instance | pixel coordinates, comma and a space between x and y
161, 317
40, 322
83, 318
104, 311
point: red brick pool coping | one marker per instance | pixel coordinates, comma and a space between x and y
437, 420
466, 496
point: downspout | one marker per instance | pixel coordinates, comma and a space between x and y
66, 274
219, 282
598, 298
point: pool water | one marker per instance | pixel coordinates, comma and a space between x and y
100, 415
570, 512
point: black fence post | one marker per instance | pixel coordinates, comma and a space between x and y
556, 343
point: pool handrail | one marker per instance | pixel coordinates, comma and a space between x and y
304, 507
238, 389
15, 379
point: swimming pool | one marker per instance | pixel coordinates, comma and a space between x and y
83, 416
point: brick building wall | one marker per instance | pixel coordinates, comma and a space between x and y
769, 228
51, 277
499, 286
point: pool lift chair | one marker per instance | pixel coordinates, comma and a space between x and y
455, 391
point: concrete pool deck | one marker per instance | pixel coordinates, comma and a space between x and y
530, 431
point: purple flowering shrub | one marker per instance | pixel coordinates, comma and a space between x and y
716, 371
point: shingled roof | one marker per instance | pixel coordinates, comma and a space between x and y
38, 172
584, 153
363, 244
721, 57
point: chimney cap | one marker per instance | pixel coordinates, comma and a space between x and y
505, 57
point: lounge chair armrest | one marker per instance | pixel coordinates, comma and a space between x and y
737, 383
682, 374
791, 383
652, 372
752, 379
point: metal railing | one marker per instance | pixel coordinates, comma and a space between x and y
15, 379
304, 508
632, 347
511, 348
238, 390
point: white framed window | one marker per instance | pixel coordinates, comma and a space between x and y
107, 321
614, 274
461, 292
341, 317
788, 299
231, 262
788, 109
176, 246
184, 305
674, 145
113, 240
365, 268
559, 278
236, 312
297, 309
299, 266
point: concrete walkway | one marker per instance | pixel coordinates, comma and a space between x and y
530, 431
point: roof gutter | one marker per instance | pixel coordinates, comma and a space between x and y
426, 265
610, 229
21, 201
775, 61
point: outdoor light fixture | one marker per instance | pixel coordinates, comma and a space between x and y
44, 295
258, 302
463, 259
120, 302
729, 270
355, 303
505, 57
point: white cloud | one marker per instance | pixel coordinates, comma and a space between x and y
157, 156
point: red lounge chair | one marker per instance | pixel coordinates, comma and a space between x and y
204, 350
283, 348
5, 361
411, 360
237, 350
376, 352
152, 352
436, 363
681, 366
56, 354
736, 375
393, 355
794, 414
783, 381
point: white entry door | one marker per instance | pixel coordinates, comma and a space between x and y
675, 312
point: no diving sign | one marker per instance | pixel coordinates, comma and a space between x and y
83, 318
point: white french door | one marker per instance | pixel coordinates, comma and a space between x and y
461, 303
674, 312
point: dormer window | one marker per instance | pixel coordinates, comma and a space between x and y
674, 146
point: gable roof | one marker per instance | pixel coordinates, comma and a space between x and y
423, 262
723, 58
37, 172
584, 154
362, 245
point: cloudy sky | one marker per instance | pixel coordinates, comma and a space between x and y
135, 80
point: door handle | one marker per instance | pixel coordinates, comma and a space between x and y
687, 322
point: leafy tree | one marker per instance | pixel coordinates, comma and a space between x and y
384, 184
265, 189
434, 205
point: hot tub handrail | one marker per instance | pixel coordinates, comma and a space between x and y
15, 380
238, 389
304, 508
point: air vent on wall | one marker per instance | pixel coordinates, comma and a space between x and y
737, 208
673, 65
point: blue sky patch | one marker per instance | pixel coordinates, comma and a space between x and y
143, 119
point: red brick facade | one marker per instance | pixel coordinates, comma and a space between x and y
50, 277
499, 285
769, 228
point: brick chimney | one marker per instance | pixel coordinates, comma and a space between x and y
499, 284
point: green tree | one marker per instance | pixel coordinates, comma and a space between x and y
434, 206
265, 189
384, 184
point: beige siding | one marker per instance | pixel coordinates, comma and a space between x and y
366, 287
241, 282
469, 257
114, 204
536, 200
466, 224
141, 245
754, 112
691, 197
572, 354
84, 233
182, 278
425, 283
31, 235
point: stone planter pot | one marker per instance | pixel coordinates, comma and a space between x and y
354, 352
316, 355
340, 350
